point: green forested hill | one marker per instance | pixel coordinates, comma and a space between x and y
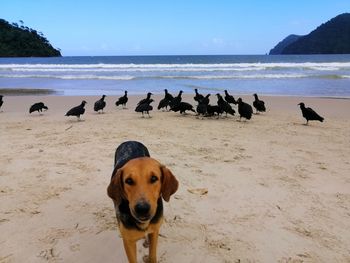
332, 37
283, 44
21, 41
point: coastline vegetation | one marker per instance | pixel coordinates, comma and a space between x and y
332, 37
22, 41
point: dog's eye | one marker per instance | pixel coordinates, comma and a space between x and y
129, 181
154, 179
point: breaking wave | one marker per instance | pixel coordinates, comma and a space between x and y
327, 66
179, 77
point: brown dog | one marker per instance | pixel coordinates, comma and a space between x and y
137, 187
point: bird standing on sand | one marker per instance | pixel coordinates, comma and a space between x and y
146, 100
176, 100
183, 107
225, 106
202, 107
206, 99
100, 104
212, 109
244, 109
122, 100
145, 107
198, 96
38, 107
1, 101
77, 111
259, 105
309, 114
164, 103
168, 96
229, 98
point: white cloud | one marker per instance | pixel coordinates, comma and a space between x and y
218, 41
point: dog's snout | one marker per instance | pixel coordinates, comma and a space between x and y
142, 208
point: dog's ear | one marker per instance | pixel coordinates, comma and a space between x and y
115, 188
169, 183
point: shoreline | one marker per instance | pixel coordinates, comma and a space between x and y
59, 104
52, 92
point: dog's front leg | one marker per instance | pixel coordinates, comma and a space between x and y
130, 249
153, 240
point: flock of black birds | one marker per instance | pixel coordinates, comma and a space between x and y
175, 103
204, 108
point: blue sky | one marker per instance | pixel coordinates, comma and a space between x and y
161, 27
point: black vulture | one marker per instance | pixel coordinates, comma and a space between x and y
229, 98
259, 105
164, 103
176, 100
244, 109
309, 114
225, 106
1, 101
198, 96
122, 100
100, 104
212, 109
77, 111
205, 100
145, 107
38, 107
146, 100
182, 107
168, 96
202, 108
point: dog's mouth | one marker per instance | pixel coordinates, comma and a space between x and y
143, 219
142, 211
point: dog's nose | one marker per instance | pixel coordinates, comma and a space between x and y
142, 208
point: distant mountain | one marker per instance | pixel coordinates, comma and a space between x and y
332, 37
283, 44
21, 41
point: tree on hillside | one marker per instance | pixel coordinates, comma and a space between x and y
22, 41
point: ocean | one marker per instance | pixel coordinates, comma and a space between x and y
292, 75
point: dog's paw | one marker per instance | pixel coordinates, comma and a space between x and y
146, 259
146, 243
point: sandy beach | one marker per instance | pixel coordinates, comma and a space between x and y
273, 189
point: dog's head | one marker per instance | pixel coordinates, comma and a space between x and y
142, 181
